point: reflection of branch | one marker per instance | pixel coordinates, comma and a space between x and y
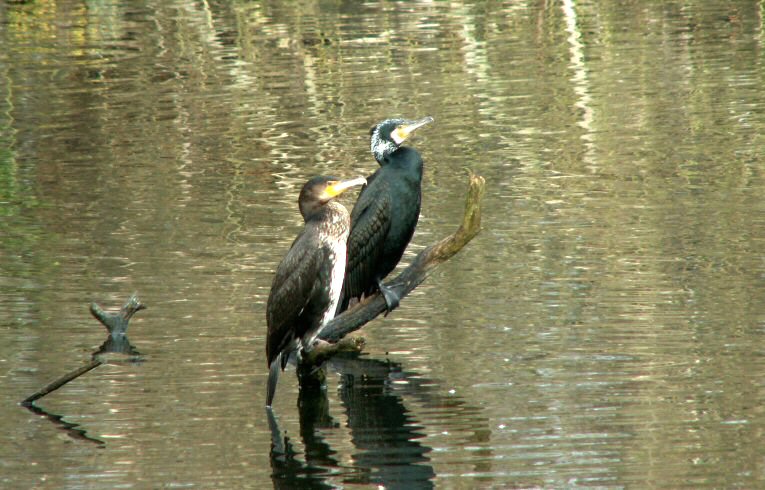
410, 278
73, 430
417, 388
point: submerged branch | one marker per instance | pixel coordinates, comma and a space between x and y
116, 324
54, 385
411, 277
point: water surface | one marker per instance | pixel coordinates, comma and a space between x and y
604, 330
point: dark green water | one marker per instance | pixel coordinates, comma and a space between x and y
606, 329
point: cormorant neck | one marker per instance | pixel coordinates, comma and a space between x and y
404, 156
389, 156
331, 212
382, 148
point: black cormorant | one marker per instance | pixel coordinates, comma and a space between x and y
307, 284
386, 213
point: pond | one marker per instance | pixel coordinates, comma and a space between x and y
605, 329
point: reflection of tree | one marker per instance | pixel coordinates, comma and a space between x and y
385, 434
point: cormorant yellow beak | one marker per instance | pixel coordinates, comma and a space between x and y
403, 131
337, 187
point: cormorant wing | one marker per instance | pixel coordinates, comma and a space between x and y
292, 289
370, 222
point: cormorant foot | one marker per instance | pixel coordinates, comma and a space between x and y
392, 299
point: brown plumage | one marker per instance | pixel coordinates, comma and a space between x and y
307, 284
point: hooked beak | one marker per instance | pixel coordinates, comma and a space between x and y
402, 132
337, 187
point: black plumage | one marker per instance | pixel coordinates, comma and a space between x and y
307, 284
386, 213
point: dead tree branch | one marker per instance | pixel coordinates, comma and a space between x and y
411, 277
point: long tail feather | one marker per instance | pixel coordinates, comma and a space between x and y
273, 377
277, 442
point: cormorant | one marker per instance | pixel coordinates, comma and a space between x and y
386, 213
307, 284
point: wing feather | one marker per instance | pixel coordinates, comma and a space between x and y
370, 223
291, 291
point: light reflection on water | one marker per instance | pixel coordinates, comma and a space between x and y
603, 329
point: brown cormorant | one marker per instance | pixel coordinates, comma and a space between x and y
386, 213
307, 284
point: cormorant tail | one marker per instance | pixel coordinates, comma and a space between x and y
273, 377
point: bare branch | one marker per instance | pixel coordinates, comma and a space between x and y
371, 307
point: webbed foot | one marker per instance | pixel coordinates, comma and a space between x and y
392, 299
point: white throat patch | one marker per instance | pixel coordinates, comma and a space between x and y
380, 147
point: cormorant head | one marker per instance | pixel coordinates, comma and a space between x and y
320, 190
388, 135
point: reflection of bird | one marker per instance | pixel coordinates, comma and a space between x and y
308, 281
386, 213
386, 435
385, 445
